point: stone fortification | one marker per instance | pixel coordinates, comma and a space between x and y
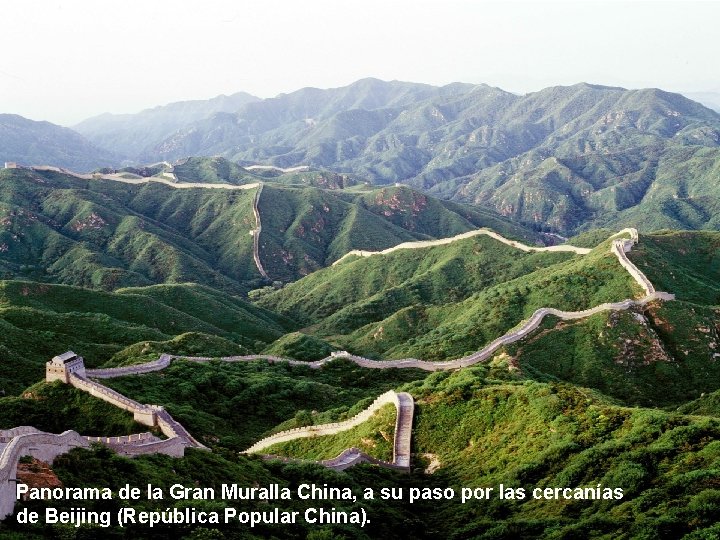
444, 241
28, 441
70, 369
404, 406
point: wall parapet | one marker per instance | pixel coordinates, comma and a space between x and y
389, 397
30, 442
404, 406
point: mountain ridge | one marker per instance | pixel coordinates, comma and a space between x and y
561, 159
32, 142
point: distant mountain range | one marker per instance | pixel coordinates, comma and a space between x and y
709, 99
563, 159
30, 142
131, 134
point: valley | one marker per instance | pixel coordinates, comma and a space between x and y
640, 285
370, 286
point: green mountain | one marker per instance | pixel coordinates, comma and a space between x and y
107, 235
663, 355
561, 159
546, 436
132, 324
307, 229
28, 142
448, 301
445, 301
110, 234
129, 134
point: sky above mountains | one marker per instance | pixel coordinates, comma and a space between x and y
72, 60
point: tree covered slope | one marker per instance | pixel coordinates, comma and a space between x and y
41, 320
443, 302
109, 234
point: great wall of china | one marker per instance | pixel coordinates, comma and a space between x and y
169, 179
619, 248
29, 441
256, 234
443, 241
405, 407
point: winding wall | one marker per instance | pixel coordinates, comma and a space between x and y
256, 234
171, 179
28, 441
619, 248
443, 241
405, 408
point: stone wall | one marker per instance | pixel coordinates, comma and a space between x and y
30, 442
390, 397
444, 241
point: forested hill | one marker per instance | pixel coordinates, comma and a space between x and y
566, 157
107, 234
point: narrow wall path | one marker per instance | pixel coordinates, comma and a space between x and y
256, 233
443, 241
405, 407
22, 441
170, 180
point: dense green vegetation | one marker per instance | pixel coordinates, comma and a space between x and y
661, 356
56, 407
374, 437
445, 301
212, 171
706, 405
475, 431
105, 235
299, 346
686, 263
232, 405
305, 230
527, 434
40, 320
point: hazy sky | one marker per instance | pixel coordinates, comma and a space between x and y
64, 61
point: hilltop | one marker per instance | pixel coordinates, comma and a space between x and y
29, 142
135, 231
445, 301
565, 158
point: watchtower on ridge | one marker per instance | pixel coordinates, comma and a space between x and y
63, 365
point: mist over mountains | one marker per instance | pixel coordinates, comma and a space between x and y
33, 143
387, 221
561, 159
